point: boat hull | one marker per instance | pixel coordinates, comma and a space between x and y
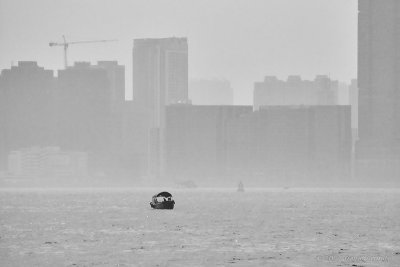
166, 205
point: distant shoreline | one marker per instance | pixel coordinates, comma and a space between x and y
203, 189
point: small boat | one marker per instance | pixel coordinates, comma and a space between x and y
240, 187
162, 201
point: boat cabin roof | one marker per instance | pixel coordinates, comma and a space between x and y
163, 194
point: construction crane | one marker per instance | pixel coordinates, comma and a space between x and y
66, 44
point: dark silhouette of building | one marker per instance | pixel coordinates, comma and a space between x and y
116, 78
3, 141
378, 149
195, 141
295, 91
210, 92
27, 111
133, 156
80, 110
160, 75
84, 111
160, 78
117, 154
280, 145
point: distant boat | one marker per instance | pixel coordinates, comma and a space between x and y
240, 187
162, 201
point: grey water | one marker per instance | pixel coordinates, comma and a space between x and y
208, 227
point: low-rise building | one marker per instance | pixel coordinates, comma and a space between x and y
47, 162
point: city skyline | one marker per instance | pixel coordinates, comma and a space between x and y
93, 96
263, 132
255, 36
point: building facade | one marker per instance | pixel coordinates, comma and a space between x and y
378, 149
160, 78
80, 110
84, 111
116, 78
38, 162
291, 146
274, 146
195, 141
160, 75
295, 91
27, 112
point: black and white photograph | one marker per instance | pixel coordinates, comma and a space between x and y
200, 133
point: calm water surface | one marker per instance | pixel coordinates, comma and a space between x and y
274, 227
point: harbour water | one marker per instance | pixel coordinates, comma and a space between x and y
208, 227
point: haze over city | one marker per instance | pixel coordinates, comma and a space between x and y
240, 41
200, 133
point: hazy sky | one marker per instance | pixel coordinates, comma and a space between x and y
239, 40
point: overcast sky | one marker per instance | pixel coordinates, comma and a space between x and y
239, 40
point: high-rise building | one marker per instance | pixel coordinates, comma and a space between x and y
116, 81
3, 128
195, 141
84, 110
81, 109
378, 149
160, 75
295, 91
116, 78
27, 111
210, 92
160, 78
91, 100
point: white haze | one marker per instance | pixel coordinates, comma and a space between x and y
241, 40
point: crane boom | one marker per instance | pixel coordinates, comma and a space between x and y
65, 44
95, 41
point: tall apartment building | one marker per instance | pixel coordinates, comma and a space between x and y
27, 108
84, 110
3, 128
378, 149
160, 75
295, 91
116, 78
160, 78
81, 109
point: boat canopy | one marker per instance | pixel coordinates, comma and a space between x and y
163, 194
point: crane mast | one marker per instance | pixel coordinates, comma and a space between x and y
66, 44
